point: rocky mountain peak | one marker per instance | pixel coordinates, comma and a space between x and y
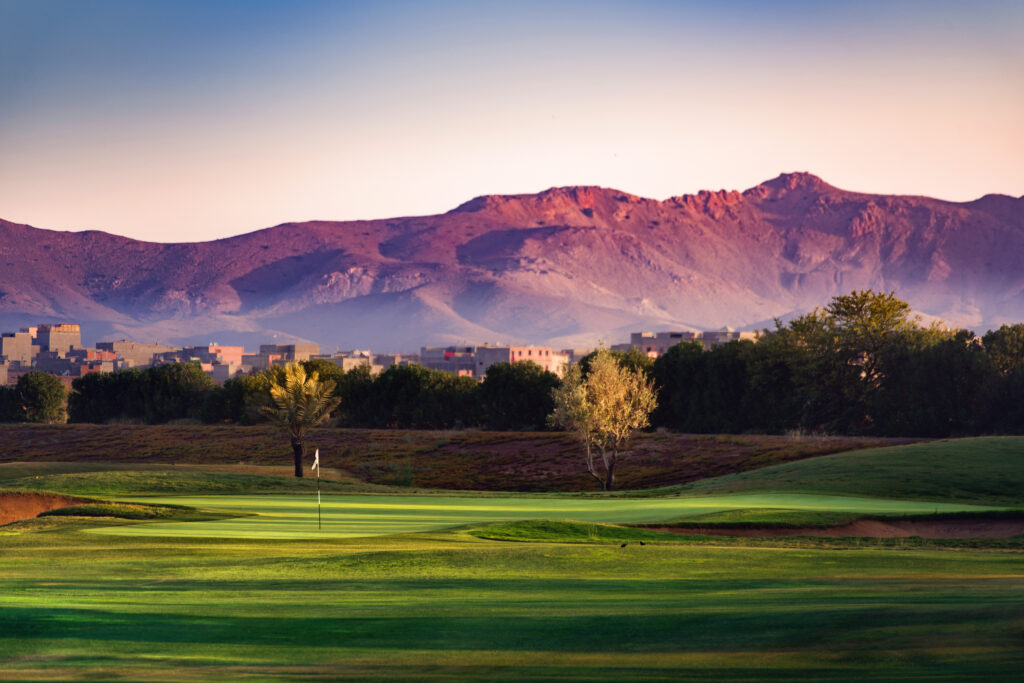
791, 183
569, 265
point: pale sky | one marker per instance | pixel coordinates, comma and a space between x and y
187, 121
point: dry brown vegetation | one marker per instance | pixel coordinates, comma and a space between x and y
469, 459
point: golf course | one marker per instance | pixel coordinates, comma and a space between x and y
896, 562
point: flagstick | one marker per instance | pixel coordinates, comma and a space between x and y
316, 466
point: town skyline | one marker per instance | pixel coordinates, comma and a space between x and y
58, 349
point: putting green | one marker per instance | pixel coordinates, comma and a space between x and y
350, 516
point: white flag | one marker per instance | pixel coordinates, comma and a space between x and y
316, 460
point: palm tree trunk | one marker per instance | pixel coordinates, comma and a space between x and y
297, 448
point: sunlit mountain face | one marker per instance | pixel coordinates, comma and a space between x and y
567, 266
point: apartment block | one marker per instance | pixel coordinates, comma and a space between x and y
548, 359
17, 347
386, 360
724, 336
655, 344
82, 362
134, 354
59, 338
458, 360
348, 360
261, 361
290, 352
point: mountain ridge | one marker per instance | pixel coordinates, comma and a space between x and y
568, 265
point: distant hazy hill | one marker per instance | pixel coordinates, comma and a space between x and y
567, 265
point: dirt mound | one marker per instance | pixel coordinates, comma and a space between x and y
17, 506
875, 528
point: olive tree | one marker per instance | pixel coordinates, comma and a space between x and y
42, 398
603, 409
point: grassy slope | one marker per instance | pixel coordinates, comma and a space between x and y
986, 471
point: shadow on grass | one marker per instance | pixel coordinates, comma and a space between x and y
535, 615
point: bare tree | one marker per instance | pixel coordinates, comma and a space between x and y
301, 402
603, 409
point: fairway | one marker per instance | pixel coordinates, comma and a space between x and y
350, 516
432, 586
447, 606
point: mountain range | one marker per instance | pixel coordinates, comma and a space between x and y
564, 267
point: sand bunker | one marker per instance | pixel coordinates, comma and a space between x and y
874, 528
18, 506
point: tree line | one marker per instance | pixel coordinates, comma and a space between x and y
512, 397
863, 364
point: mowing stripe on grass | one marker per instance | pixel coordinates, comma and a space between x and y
291, 517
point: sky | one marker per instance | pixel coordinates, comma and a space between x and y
183, 120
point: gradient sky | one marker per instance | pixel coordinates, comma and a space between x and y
187, 121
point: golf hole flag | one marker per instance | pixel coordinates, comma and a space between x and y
316, 466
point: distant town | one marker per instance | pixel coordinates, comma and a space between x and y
57, 349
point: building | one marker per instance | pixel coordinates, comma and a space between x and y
3, 374
290, 353
458, 360
77, 362
222, 372
724, 336
386, 360
487, 355
261, 361
219, 361
18, 347
574, 356
15, 372
655, 344
134, 354
59, 338
349, 360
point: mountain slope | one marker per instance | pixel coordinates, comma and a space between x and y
567, 265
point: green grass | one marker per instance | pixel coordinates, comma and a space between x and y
987, 470
125, 482
446, 605
773, 517
784, 518
122, 511
345, 516
414, 587
560, 531
552, 531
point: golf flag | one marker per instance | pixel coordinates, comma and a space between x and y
316, 466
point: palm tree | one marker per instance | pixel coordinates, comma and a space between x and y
301, 402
